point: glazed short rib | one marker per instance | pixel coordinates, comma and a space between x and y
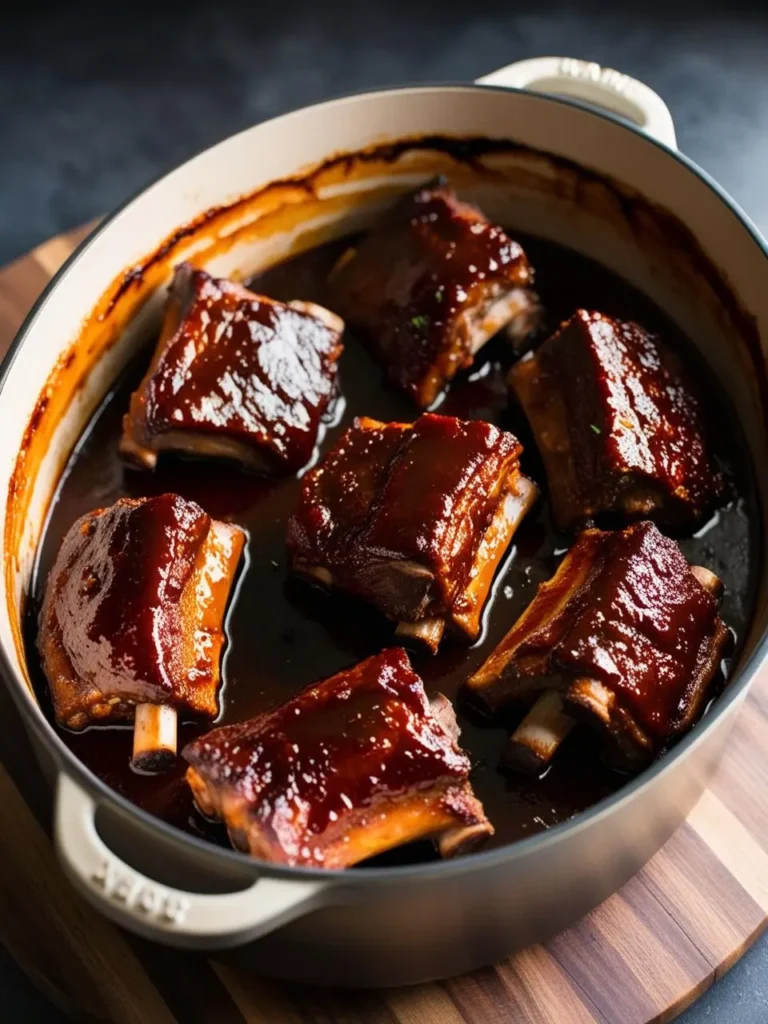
234, 375
352, 766
626, 637
414, 518
132, 618
618, 428
430, 285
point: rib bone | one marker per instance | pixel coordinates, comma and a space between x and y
537, 739
427, 633
154, 737
534, 742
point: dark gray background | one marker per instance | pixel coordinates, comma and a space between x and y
98, 99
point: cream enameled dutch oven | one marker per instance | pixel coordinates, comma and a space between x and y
614, 188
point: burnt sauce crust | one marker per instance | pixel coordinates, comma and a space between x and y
294, 635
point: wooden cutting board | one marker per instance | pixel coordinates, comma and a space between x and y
642, 956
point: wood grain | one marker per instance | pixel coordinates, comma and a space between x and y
642, 956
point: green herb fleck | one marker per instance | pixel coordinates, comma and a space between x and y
439, 295
420, 321
595, 428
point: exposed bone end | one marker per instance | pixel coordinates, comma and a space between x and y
525, 319
462, 838
445, 714
514, 310
523, 496
154, 738
711, 583
626, 745
591, 695
425, 634
331, 320
536, 740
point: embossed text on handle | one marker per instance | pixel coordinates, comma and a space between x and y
133, 892
594, 73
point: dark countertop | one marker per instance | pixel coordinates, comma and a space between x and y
99, 99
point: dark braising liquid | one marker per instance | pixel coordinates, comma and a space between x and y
283, 634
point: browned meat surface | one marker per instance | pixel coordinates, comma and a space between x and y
413, 518
625, 631
235, 375
351, 767
430, 285
134, 609
617, 427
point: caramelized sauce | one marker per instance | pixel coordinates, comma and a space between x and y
136, 610
642, 634
259, 374
334, 748
285, 635
441, 257
428, 498
629, 413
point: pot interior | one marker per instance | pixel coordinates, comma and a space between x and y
706, 271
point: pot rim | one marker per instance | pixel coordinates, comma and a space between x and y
67, 761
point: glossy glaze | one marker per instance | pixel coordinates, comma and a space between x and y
134, 610
346, 753
411, 284
237, 370
646, 629
284, 634
337, 495
624, 609
620, 426
393, 494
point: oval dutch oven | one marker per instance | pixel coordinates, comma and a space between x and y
609, 183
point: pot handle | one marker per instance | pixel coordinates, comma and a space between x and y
160, 912
593, 84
